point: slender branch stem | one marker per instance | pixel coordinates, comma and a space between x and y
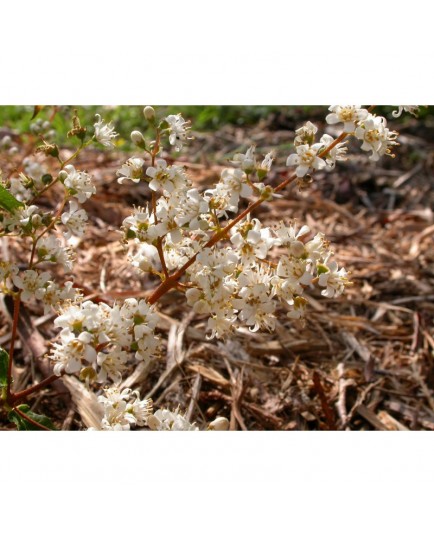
154, 153
43, 191
45, 231
31, 421
77, 152
14, 397
17, 303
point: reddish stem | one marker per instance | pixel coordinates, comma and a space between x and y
14, 397
17, 303
31, 421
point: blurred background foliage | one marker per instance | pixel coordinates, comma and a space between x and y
207, 118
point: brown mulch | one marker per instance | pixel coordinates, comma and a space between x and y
364, 361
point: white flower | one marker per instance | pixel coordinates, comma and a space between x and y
254, 301
166, 177
166, 420
297, 273
177, 254
348, 115
298, 308
132, 170
20, 188
289, 237
411, 109
305, 135
178, 128
78, 183
333, 279
252, 241
23, 217
247, 161
376, 137
143, 321
113, 363
123, 409
306, 159
71, 352
189, 206
104, 133
264, 167
140, 225
86, 316
221, 322
338, 152
31, 283
54, 295
146, 258
50, 249
317, 248
74, 220
226, 194
7, 270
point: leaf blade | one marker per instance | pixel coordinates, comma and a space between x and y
8, 201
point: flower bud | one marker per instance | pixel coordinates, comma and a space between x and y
138, 139
261, 173
221, 424
63, 175
149, 113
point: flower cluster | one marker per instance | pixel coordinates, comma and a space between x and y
123, 409
37, 285
164, 420
234, 285
99, 341
234, 270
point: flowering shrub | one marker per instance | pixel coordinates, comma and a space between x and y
196, 241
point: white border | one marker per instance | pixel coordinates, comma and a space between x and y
196, 52
214, 483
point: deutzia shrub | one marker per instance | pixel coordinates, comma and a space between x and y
233, 269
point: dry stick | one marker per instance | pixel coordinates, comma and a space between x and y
327, 410
194, 396
171, 281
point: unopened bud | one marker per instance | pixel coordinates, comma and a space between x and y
63, 175
261, 173
46, 179
221, 424
138, 139
149, 113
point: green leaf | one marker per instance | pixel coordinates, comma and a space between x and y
4, 362
8, 201
24, 424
